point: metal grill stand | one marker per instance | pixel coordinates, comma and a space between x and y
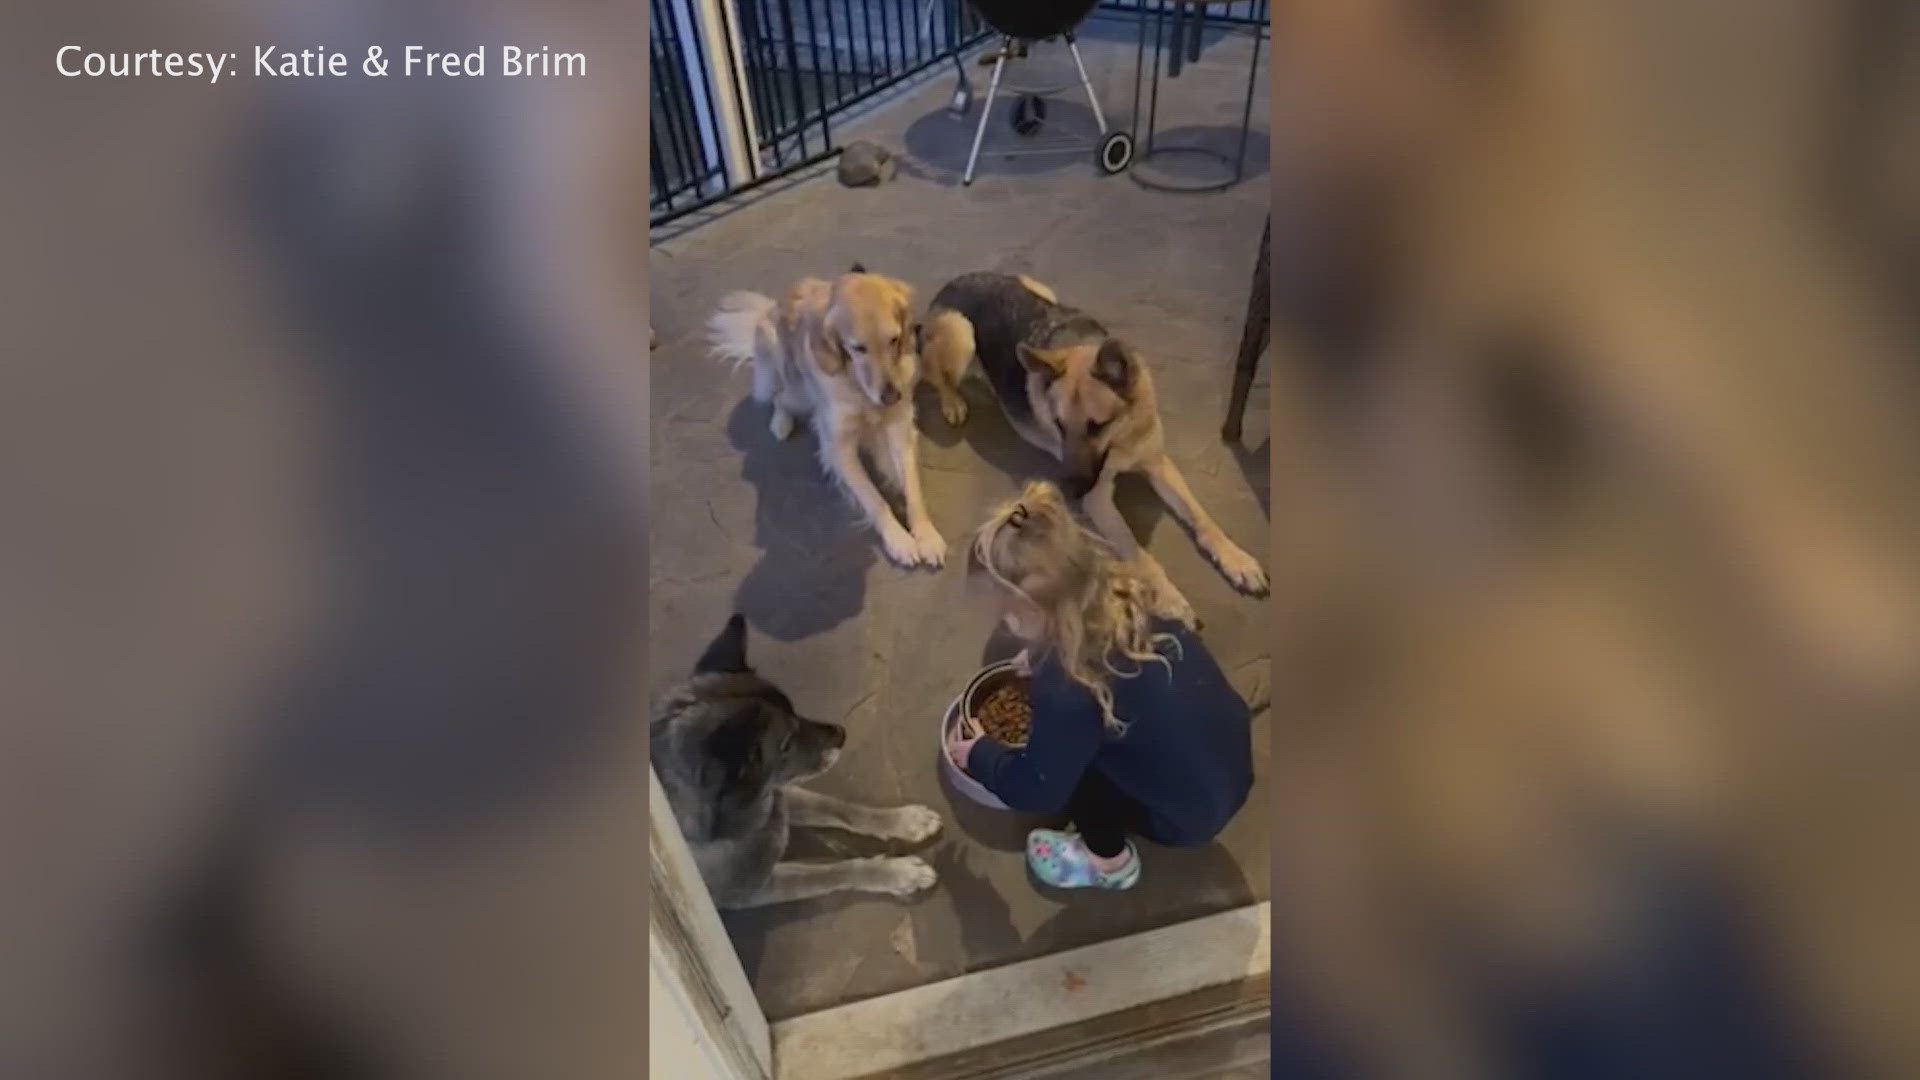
1116, 148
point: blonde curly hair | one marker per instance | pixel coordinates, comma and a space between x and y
1074, 596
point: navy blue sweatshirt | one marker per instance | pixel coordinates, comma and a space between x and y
1186, 754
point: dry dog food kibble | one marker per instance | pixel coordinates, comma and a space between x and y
1006, 715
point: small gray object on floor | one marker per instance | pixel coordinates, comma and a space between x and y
865, 164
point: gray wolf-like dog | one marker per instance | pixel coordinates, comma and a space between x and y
729, 748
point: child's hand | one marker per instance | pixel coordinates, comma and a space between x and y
958, 748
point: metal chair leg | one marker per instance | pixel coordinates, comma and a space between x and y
1092, 98
1254, 335
1177, 45
986, 111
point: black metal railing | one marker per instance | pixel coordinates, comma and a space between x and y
809, 59
1238, 13
801, 63
685, 167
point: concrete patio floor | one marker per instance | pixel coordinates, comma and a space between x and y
742, 522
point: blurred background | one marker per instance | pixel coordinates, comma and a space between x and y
324, 563
1596, 400
1597, 562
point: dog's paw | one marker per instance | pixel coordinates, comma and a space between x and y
931, 548
955, 410
906, 876
1169, 603
899, 545
1239, 567
782, 425
912, 824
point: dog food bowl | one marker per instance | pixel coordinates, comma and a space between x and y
986, 682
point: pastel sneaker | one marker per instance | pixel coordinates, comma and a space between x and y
1061, 859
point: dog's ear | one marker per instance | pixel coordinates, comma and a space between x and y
728, 653
827, 350
735, 755
902, 300
1115, 366
1042, 362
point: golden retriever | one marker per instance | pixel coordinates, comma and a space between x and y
842, 354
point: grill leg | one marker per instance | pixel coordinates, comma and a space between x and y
986, 111
1092, 99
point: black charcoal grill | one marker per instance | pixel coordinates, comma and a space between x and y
1020, 23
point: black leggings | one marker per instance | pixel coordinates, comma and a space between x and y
1105, 815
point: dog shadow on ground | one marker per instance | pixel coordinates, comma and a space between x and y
815, 551
1256, 467
987, 431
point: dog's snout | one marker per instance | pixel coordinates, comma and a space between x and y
836, 735
889, 394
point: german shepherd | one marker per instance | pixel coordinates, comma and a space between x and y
1080, 394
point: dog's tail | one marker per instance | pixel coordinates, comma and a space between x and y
743, 328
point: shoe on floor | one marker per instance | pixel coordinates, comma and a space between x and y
1061, 859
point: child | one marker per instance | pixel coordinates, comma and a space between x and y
1136, 732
